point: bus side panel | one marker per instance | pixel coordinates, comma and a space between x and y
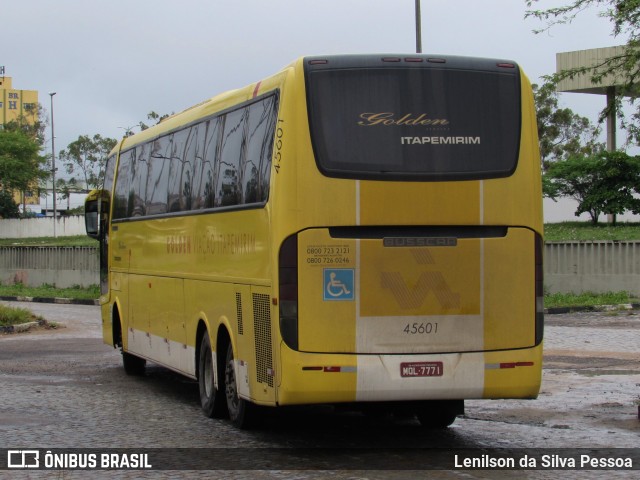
261, 340
244, 311
156, 322
106, 312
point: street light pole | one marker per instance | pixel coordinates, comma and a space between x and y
53, 167
418, 28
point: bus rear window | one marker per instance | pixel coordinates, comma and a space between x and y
431, 122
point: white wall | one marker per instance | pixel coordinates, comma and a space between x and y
42, 227
564, 211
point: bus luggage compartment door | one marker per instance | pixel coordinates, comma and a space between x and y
395, 291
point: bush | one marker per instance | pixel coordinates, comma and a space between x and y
14, 316
8, 207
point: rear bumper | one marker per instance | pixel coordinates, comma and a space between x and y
312, 378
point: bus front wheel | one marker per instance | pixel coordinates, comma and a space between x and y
133, 365
211, 398
242, 413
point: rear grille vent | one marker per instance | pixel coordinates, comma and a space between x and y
239, 313
262, 329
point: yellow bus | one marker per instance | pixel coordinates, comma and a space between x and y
356, 229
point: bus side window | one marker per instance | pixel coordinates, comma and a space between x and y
188, 168
157, 182
228, 188
257, 164
121, 194
176, 163
206, 192
139, 182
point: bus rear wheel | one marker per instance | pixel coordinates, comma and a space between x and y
242, 413
211, 399
439, 413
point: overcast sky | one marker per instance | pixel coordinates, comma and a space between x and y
112, 62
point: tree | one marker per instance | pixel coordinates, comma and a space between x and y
21, 165
8, 207
624, 16
29, 122
602, 183
154, 117
562, 133
87, 156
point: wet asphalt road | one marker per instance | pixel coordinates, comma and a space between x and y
65, 389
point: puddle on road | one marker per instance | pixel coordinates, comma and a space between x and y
11, 421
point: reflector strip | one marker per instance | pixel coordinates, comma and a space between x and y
332, 369
496, 366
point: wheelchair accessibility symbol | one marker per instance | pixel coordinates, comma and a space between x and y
339, 284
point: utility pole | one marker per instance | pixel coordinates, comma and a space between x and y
418, 28
53, 167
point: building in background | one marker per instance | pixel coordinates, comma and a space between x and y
70, 200
16, 104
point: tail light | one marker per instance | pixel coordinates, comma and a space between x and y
288, 296
539, 245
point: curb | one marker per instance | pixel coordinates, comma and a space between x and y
60, 301
591, 308
21, 327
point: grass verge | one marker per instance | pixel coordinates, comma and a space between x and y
76, 241
585, 232
49, 291
587, 299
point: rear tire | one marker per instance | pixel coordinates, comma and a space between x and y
212, 400
242, 413
439, 413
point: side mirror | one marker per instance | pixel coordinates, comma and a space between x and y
91, 220
96, 207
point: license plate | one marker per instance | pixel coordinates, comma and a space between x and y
421, 369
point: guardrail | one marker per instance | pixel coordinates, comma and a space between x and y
598, 266
568, 266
